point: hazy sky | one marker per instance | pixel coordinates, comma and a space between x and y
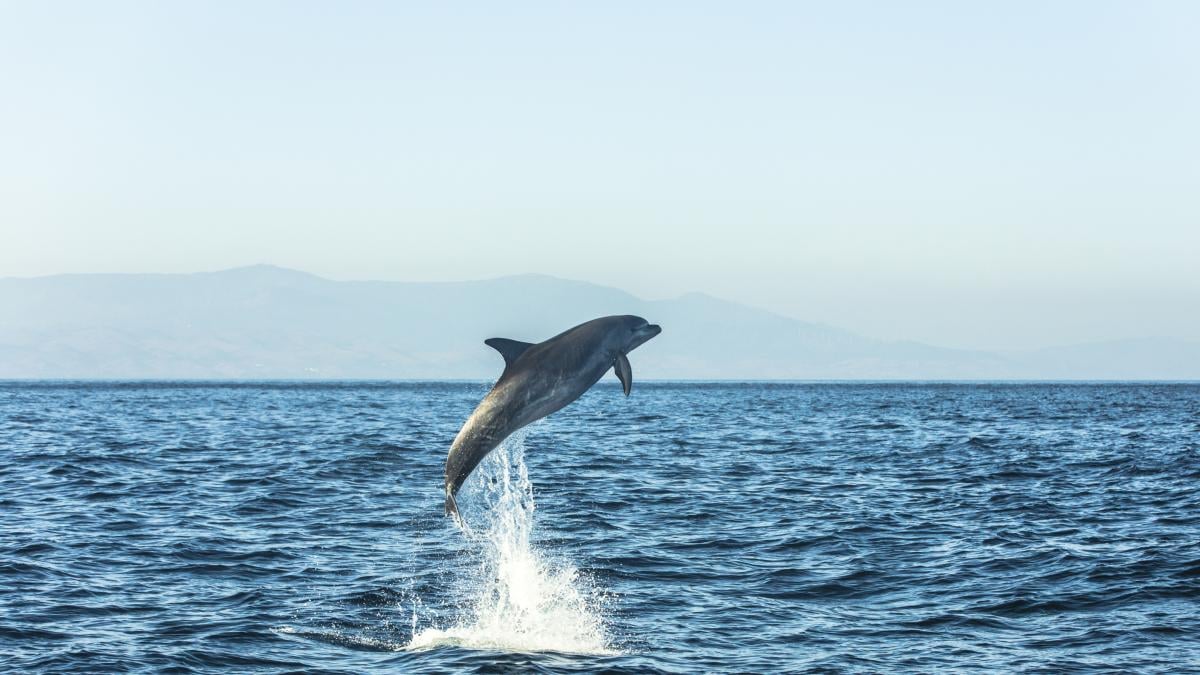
968, 174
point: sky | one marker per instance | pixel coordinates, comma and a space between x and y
981, 175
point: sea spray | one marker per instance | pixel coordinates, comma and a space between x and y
515, 597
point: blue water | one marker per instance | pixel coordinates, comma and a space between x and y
690, 527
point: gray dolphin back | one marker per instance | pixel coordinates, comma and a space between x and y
539, 379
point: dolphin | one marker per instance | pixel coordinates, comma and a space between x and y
539, 379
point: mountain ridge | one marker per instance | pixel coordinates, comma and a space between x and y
270, 322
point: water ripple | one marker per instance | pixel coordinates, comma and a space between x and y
184, 527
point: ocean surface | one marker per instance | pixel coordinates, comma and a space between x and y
274, 527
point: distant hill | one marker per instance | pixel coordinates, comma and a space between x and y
268, 322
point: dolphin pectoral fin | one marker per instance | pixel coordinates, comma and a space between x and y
624, 372
511, 350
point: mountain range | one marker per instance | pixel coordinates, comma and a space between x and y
265, 322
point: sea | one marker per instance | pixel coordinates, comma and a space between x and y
270, 527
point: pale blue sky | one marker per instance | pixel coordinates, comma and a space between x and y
969, 174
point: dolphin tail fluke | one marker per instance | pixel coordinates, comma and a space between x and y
452, 511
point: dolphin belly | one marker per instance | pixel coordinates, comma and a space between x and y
481, 434
501, 413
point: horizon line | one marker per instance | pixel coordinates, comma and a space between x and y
616, 385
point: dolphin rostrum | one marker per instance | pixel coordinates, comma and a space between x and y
539, 379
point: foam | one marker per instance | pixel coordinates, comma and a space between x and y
517, 597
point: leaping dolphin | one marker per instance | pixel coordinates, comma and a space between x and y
539, 379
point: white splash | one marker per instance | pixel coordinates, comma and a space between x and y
518, 598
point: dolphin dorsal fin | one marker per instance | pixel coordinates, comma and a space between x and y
511, 350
